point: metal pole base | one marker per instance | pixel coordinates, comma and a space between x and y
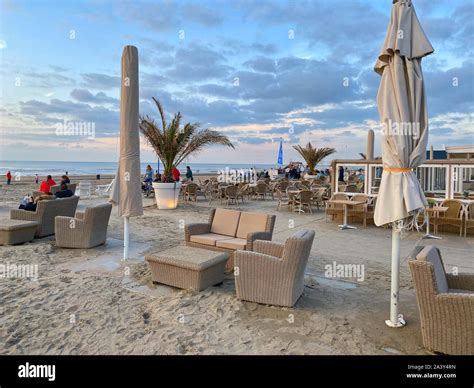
400, 322
431, 237
345, 226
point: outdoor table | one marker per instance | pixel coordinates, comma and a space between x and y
345, 203
435, 210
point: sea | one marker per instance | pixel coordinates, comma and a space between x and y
31, 168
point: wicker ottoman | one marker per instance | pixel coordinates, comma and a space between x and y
17, 231
188, 267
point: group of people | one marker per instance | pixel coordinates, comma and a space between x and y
148, 178
30, 203
344, 174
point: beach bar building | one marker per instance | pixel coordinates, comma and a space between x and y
446, 174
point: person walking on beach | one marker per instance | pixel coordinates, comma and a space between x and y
36, 178
176, 174
148, 174
9, 177
189, 174
45, 186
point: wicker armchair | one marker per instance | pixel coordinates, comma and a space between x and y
261, 190
85, 230
445, 303
360, 211
304, 199
334, 209
45, 213
273, 273
231, 193
191, 192
453, 216
283, 199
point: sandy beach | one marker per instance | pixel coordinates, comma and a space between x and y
92, 302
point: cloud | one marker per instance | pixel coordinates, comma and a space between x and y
3, 44
100, 81
198, 62
169, 15
106, 120
201, 14
84, 95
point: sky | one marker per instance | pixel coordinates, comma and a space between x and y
257, 70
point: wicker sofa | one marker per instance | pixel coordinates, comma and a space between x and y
90, 228
274, 273
229, 230
446, 304
45, 213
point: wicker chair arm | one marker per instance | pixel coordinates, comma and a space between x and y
251, 237
24, 215
192, 229
268, 248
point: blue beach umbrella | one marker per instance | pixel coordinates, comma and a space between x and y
280, 153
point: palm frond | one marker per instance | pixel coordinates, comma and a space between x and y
313, 156
173, 142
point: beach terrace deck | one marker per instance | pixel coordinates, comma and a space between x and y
93, 302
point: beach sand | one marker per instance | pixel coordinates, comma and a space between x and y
92, 302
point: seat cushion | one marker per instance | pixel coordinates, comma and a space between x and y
232, 243
225, 222
251, 222
207, 238
455, 291
430, 253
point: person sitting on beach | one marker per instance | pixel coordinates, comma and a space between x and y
65, 179
157, 177
33, 202
45, 186
189, 174
176, 174
64, 192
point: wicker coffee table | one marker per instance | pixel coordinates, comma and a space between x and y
17, 231
188, 267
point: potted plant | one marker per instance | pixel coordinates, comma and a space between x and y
174, 142
431, 202
312, 157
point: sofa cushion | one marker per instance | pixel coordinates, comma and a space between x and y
455, 291
225, 222
207, 238
251, 222
232, 243
430, 253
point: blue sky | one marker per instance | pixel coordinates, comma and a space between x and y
256, 70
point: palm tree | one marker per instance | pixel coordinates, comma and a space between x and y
173, 143
313, 156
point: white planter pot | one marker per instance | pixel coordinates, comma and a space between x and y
167, 194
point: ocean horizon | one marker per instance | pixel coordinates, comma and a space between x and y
30, 168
